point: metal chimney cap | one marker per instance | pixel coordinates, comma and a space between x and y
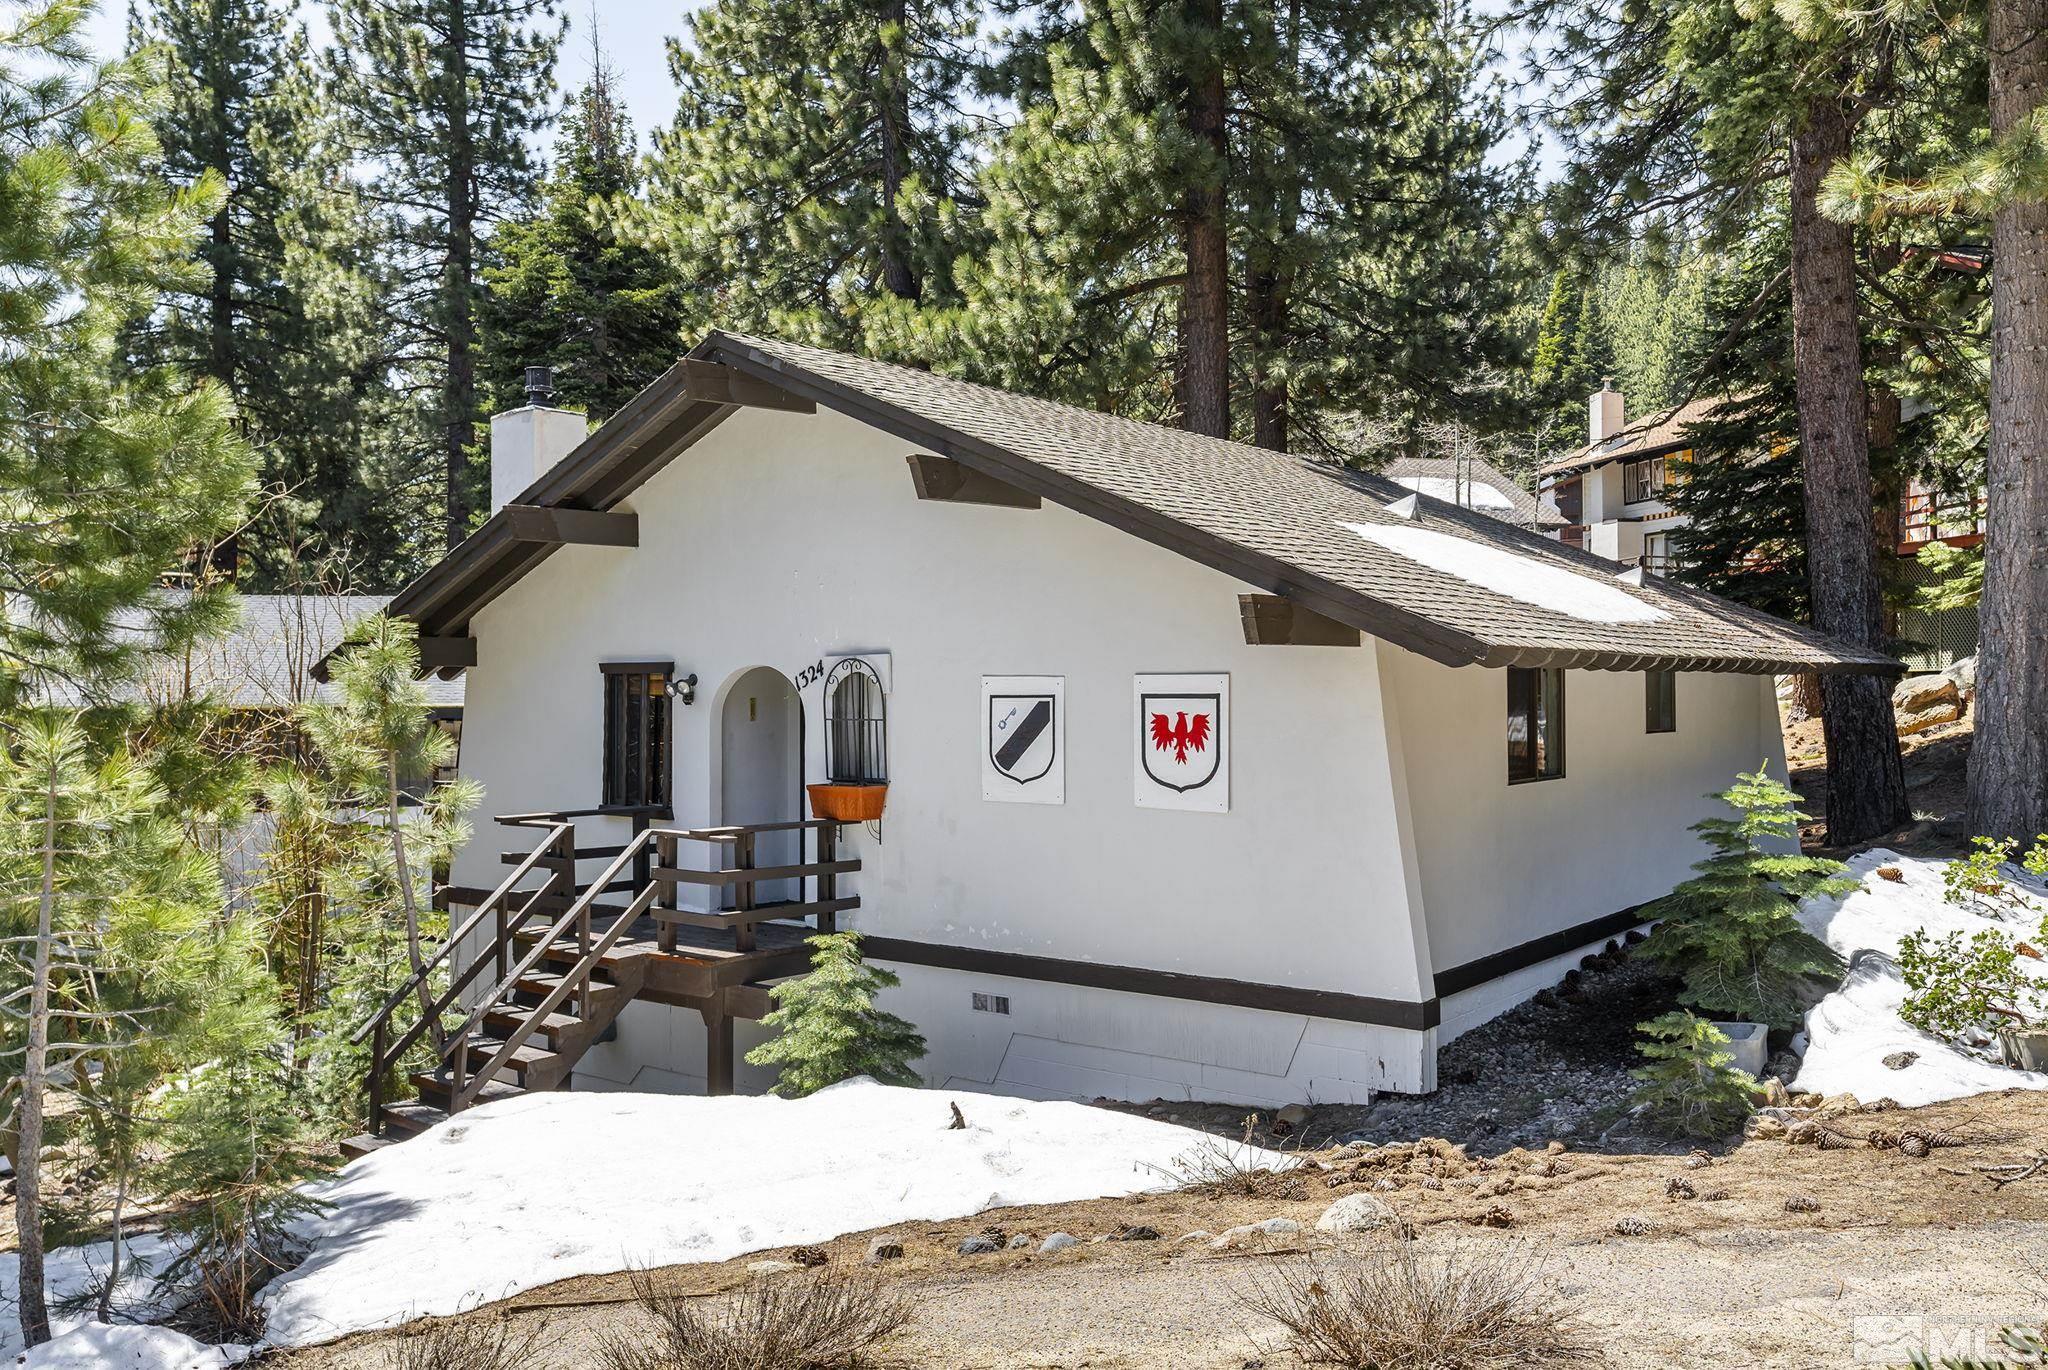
540, 385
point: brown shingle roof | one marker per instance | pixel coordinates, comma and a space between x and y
1659, 433
1318, 533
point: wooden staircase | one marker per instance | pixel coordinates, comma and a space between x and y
559, 988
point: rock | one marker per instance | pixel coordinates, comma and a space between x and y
884, 1249
1019, 1242
1775, 1093
1555, 1148
1254, 1234
1920, 720
1922, 692
1200, 1234
1355, 1213
1964, 674
1058, 1241
977, 1246
1129, 1232
1899, 1060
1291, 1116
771, 1267
1836, 1105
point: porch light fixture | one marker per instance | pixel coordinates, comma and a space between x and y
685, 689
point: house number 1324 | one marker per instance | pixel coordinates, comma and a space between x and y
810, 675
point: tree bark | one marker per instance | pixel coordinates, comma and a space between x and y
32, 1301
1204, 379
458, 305
1866, 792
1270, 271
2009, 758
898, 278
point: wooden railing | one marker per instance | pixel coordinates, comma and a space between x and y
556, 853
648, 863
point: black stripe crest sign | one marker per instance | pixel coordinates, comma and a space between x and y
1023, 722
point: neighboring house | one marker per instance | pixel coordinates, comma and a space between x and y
1937, 639
1610, 492
1472, 484
1201, 770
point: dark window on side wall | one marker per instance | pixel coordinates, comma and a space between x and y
1535, 724
636, 734
1660, 701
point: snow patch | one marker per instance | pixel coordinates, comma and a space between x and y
96, 1346
1473, 494
535, 1189
1527, 579
1852, 1030
71, 1270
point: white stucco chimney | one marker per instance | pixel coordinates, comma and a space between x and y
1603, 412
527, 442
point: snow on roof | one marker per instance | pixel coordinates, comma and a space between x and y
1473, 494
605, 1182
1508, 573
1851, 1031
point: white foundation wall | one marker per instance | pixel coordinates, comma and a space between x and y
780, 540
1504, 864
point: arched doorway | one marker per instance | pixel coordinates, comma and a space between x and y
761, 768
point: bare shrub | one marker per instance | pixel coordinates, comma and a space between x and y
1475, 1307
1216, 1169
475, 1342
794, 1322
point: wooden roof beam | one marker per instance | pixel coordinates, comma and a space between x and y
1274, 620
586, 527
942, 478
721, 384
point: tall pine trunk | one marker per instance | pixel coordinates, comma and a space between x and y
1866, 792
897, 276
458, 303
2009, 759
1270, 270
1204, 380
31, 1299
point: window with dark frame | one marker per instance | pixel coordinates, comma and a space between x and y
855, 736
636, 734
1642, 480
1535, 724
1660, 701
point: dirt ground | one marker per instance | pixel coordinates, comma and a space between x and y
1728, 1276
1937, 763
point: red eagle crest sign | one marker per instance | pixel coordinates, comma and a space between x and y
1182, 742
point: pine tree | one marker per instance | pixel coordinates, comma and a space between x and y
441, 96
107, 482
827, 1027
567, 289
1732, 930
1690, 1086
808, 184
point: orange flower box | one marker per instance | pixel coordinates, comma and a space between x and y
847, 803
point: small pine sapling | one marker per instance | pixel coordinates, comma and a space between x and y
827, 1027
1732, 930
1690, 1086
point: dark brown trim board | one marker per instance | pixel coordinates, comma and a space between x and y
942, 478
1475, 973
558, 525
1167, 984
1274, 620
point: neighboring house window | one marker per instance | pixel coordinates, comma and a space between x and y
855, 741
1642, 480
1656, 553
1660, 701
1535, 724
636, 734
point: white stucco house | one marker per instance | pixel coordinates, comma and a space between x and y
1610, 492
1210, 771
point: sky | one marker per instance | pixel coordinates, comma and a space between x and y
632, 32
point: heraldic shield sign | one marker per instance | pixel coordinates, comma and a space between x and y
1182, 726
1023, 753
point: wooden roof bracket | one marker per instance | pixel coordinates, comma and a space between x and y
942, 478
557, 525
1275, 620
721, 384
